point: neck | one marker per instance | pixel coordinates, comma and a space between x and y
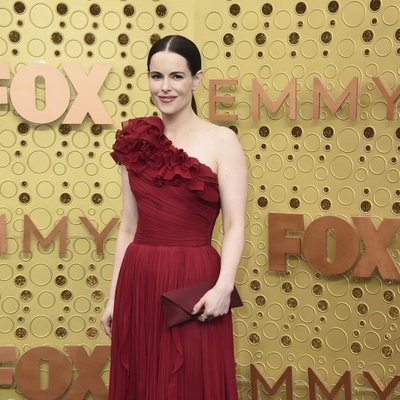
176, 123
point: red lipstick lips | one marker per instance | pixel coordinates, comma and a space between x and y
167, 99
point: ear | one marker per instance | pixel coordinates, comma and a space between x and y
197, 79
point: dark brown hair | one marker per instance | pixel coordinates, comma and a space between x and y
182, 46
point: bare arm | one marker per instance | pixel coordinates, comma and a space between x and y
232, 177
125, 236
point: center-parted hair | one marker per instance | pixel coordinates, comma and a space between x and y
182, 46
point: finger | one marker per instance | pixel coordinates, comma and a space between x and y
107, 327
198, 306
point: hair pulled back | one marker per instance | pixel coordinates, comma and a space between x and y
182, 46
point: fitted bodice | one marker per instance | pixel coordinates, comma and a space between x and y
172, 215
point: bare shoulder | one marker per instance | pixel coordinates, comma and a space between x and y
220, 136
227, 151
217, 146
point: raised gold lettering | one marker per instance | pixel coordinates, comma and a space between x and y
314, 381
279, 243
99, 237
315, 245
319, 91
382, 392
89, 368
272, 388
87, 100
214, 99
59, 229
390, 98
377, 254
4, 74
273, 106
27, 373
23, 93
8, 355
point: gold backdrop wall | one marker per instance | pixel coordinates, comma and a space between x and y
331, 166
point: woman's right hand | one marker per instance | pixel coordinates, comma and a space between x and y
106, 319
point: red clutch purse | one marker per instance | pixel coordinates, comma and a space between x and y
178, 304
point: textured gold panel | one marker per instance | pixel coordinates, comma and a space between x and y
331, 166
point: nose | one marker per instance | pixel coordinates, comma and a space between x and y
165, 85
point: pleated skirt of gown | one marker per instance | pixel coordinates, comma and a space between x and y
152, 362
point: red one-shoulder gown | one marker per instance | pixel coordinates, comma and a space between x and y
178, 202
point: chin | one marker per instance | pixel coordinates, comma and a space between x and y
169, 109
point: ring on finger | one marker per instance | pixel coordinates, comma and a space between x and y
202, 318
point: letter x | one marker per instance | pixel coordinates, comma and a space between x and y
89, 368
87, 99
377, 242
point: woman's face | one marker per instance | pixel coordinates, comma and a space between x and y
171, 82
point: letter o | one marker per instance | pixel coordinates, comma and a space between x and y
27, 373
315, 244
23, 93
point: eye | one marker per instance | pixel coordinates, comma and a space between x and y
177, 76
155, 76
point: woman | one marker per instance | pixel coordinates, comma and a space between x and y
177, 172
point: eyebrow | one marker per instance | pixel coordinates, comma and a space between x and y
173, 72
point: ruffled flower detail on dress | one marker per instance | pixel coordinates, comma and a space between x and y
143, 148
